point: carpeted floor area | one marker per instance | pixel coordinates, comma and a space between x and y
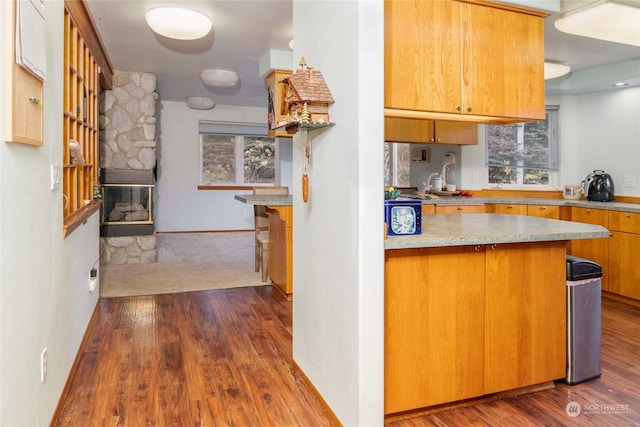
187, 262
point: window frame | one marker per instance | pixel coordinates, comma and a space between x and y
238, 131
552, 113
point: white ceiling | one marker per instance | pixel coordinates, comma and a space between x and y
245, 30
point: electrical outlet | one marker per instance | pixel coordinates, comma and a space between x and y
629, 181
43, 365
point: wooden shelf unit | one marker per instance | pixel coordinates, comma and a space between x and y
80, 118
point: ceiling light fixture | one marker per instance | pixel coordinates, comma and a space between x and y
178, 23
620, 84
221, 78
200, 102
554, 70
606, 20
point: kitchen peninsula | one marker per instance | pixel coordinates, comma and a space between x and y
280, 211
474, 306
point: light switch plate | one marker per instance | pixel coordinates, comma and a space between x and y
56, 176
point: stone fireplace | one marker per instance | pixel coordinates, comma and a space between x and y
127, 169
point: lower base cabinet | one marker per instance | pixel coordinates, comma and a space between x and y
462, 322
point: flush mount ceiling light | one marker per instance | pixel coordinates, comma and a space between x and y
554, 70
178, 23
222, 78
200, 102
606, 20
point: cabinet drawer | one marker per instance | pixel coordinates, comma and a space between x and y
624, 221
460, 209
510, 209
590, 216
544, 211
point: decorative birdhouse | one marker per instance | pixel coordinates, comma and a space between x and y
307, 96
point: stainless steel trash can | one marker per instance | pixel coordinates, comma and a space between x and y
584, 282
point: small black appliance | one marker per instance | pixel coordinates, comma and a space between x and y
598, 186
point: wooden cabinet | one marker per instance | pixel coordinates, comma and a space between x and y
430, 131
477, 62
462, 322
624, 247
544, 211
525, 318
23, 91
434, 312
508, 209
281, 247
277, 108
596, 250
428, 209
460, 209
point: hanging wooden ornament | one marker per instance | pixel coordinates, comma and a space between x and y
305, 187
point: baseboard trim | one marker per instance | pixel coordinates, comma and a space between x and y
74, 365
204, 231
330, 415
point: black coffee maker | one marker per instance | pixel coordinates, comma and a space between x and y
598, 186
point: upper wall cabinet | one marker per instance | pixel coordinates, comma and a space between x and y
430, 131
468, 60
23, 90
277, 107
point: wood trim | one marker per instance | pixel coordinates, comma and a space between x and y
204, 231
79, 217
626, 199
226, 187
331, 417
509, 7
87, 28
620, 298
76, 363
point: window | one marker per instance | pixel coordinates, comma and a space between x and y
397, 164
523, 153
236, 154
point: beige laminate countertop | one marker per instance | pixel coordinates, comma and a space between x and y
482, 229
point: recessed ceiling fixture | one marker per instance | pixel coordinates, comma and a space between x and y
620, 84
200, 102
554, 70
178, 23
604, 20
222, 78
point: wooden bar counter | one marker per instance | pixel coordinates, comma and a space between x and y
280, 211
475, 306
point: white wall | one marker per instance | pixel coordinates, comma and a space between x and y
180, 206
44, 297
338, 310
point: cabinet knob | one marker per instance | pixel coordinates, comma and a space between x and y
476, 248
628, 215
510, 207
34, 100
432, 140
459, 208
438, 140
458, 108
493, 247
469, 109
543, 208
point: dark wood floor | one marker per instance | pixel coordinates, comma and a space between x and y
223, 358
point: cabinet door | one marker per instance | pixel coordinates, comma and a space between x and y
460, 209
434, 314
408, 130
422, 55
503, 63
277, 108
544, 211
624, 274
23, 119
596, 250
525, 323
456, 133
509, 209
